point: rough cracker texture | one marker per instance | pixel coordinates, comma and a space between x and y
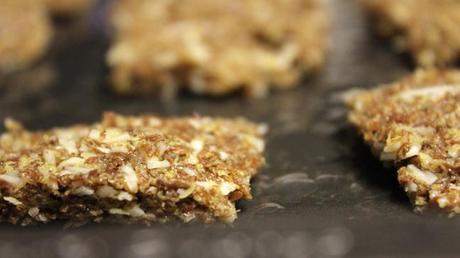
129, 169
415, 124
428, 29
25, 33
68, 7
216, 47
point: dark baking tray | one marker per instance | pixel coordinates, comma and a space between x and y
322, 194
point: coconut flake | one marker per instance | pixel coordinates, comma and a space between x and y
411, 187
227, 187
414, 150
12, 179
94, 134
287, 56
162, 148
71, 162
106, 192
432, 92
425, 177
197, 145
154, 163
103, 150
13, 201
124, 196
184, 193
75, 171
50, 157
42, 218
208, 185
120, 148
117, 211
442, 202
187, 217
82, 191
189, 171
109, 192
153, 121
256, 142
113, 136
223, 155
454, 150
193, 159
33, 211
87, 155
68, 144
135, 211
130, 177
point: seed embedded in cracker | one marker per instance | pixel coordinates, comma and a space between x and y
216, 47
414, 124
428, 29
129, 169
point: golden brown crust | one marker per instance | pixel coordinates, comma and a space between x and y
428, 29
216, 46
133, 168
414, 123
25, 33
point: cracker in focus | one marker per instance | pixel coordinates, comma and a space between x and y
414, 124
25, 33
216, 47
129, 169
427, 29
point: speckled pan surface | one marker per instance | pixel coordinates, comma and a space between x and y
322, 193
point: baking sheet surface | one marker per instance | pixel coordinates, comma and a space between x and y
322, 194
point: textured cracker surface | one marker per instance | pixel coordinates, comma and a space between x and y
428, 29
414, 123
25, 33
129, 169
215, 46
